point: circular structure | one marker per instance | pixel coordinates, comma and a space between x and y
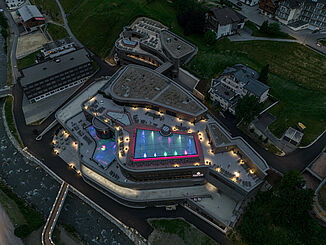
165, 130
102, 130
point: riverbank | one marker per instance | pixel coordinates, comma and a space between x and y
7, 236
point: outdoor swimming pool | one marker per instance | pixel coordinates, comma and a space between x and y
151, 144
105, 149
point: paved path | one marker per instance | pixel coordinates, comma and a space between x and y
65, 21
13, 41
54, 214
245, 36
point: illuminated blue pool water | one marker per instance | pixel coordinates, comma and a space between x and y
151, 144
105, 149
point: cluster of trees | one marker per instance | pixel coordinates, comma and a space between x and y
191, 16
271, 29
32, 217
247, 108
281, 215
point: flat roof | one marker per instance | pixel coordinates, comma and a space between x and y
143, 85
50, 68
175, 45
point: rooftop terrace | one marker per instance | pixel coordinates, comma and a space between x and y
143, 85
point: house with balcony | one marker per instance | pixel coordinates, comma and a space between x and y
234, 83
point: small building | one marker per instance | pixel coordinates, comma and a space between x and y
59, 47
293, 136
234, 83
50, 77
224, 21
268, 7
31, 17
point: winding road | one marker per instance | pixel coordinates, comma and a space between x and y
136, 218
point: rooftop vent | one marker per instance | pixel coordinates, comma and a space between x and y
57, 60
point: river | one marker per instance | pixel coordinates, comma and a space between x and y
7, 236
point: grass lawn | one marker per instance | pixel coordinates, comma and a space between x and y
50, 8
27, 60
177, 231
57, 32
12, 209
68, 5
257, 33
10, 119
297, 78
97, 23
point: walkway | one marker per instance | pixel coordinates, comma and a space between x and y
65, 21
13, 41
245, 36
54, 214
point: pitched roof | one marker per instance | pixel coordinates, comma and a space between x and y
256, 87
226, 16
28, 12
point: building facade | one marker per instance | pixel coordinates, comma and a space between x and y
268, 7
50, 77
58, 47
299, 14
224, 21
149, 43
234, 83
31, 17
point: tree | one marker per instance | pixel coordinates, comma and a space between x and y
264, 27
210, 37
263, 76
291, 203
274, 28
247, 108
190, 15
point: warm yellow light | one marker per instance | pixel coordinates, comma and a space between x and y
189, 131
218, 170
196, 164
241, 162
106, 120
54, 141
176, 165
86, 107
236, 174
251, 171
234, 179
92, 99
126, 149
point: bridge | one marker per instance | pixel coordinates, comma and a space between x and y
5, 92
54, 215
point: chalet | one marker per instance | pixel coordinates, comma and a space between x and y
224, 21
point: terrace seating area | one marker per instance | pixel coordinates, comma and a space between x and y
166, 163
